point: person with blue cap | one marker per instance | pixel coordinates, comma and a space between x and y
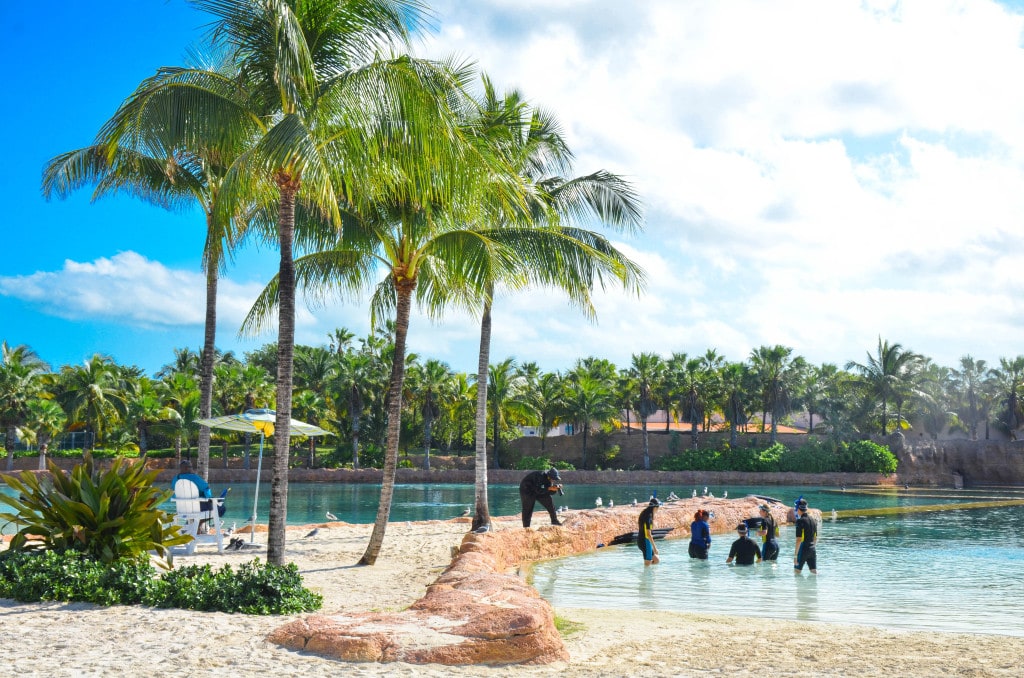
645, 533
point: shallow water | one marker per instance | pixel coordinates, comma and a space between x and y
956, 570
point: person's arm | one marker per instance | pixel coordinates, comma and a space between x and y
799, 540
732, 554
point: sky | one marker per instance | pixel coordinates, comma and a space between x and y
818, 175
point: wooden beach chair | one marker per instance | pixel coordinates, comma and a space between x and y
190, 512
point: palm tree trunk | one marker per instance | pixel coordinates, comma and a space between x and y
9, 444
44, 445
177, 450
427, 422
647, 448
404, 289
288, 186
482, 513
355, 442
209, 347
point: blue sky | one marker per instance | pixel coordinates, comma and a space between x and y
815, 175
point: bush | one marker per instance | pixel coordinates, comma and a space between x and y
542, 464
107, 515
865, 456
254, 588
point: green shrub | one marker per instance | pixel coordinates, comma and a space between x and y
254, 588
864, 456
541, 464
107, 515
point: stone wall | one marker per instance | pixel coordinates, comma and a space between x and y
979, 462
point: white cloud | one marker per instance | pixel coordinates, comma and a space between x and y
129, 289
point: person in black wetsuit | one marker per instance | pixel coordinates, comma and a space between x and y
769, 533
645, 533
538, 486
743, 550
806, 540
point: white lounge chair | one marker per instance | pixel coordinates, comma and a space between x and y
189, 513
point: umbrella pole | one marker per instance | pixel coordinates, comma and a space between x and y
256, 495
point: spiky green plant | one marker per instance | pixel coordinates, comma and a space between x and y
105, 514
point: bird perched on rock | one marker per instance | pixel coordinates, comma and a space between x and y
598, 502
705, 490
634, 501
331, 516
611, 503
672, 496
694, 495
482, 529
725, 495
469, 509
312, 533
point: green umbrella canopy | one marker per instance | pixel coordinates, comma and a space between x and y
260, 421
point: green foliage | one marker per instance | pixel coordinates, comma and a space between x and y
813, 457
254, 588
542, 464
107, 515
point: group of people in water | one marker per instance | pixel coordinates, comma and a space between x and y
538, 486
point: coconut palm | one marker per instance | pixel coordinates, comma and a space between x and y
46, 419
1010, 379
885, 375
778, 373
968, 381
588, 400
20, 372
92, 394
433, 376
735, 379
647, 372
506, 394
552, 250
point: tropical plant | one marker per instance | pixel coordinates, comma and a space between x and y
885, 376
46, 419
1009, 377
92, 394
779, 374
20, 369
106, 514
588, 400
647, 371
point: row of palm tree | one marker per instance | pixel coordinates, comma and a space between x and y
342, 387
302, 126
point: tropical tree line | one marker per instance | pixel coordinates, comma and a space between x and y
342, 386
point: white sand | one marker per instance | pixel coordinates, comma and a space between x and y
83, 640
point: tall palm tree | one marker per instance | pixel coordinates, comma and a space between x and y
1010, 378
433, 376
968, 380
886, 374
778, 372
588, 400
92, 394
46, 419
546, 397
647, 371
735, 379
20, 369
506, 391
326, 111
179, 391
550, 249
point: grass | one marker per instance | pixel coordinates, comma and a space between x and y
567, 627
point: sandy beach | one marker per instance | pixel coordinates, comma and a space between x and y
55, 639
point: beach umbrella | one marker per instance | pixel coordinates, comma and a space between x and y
259, 421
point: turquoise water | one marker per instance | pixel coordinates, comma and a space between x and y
957, 570
357, 503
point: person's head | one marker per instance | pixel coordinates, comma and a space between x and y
763, 508
553, 474
186, 466
702, 514
654, 503
741, 529
801, 506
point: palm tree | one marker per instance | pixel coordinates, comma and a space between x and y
179, 391
92, 393
142, 152
506, 395
1010, 378
20, 369
735, 379
779, 375
546, 398
647, 371
968, 380
310, 406
326, 112
886, 374
433, 376
144, 408
46, 419
549, 249
588, 400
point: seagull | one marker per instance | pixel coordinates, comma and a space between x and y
611, 503
725, 495
694, 495
672, 496
331, 516
482, 529
312, 533
468, 510
705, 490
634, 501
597, 502
835, 514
